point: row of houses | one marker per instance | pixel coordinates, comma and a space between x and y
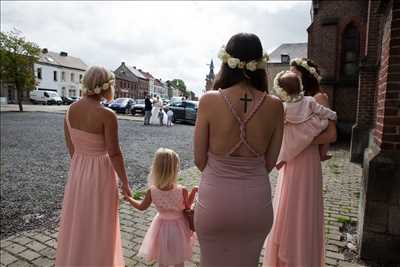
62, 73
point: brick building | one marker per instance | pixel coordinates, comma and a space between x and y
130, 82
357, 43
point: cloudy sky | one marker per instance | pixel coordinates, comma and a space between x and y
168, 39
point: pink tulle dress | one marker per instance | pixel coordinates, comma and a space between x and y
304, 120
168, 241
297, 235
89, 233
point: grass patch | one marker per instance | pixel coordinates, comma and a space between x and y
138, 194
343, 219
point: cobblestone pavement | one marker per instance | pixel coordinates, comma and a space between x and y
34, 163
341, 195
57, 109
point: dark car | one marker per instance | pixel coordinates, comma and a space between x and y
185, 111
122, 105
75, 98
67, 100
138, 107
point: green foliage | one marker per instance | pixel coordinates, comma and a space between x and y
138, 194
180, 84
343, 219
17, 57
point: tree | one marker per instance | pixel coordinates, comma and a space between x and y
180, 84
17, 57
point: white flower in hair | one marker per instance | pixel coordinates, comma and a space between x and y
233, 62
105, 86
311, 70
97, 90
252, 65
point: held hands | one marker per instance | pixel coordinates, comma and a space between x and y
126, 190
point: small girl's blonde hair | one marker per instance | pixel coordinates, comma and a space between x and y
164, 169
97, 76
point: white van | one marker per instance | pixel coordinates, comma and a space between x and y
45, 97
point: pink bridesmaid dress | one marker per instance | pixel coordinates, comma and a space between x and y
297, 235
168, 239
89, 233
233, 214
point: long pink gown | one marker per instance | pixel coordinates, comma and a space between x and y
297, 235
233, 214
168, 239
89, 233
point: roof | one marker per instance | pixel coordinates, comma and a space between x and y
294, 50
146, 74
137, 73
56, 59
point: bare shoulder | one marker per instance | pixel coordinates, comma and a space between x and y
208, 100
274, 102
108, 114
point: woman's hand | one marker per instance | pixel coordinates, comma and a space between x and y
126, 190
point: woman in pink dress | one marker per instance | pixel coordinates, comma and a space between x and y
297, 236
89, 233
237, 139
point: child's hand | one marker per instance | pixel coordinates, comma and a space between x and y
280, 165
195, 189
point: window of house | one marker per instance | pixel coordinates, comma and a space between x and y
63, 76
285, 58
80, 77
55, 75
350, 52
39, 73
72, 77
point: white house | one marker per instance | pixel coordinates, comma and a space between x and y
59, 72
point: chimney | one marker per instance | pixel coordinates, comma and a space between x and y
45, 51
134, 67
123, 63
63, 54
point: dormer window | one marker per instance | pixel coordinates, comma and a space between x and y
285, 58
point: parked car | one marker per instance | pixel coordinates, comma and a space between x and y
106, 103
45, 97
67, 100
122, 105
138, 107
177, 99
185, 111
75, 98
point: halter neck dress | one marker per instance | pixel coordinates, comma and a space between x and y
89, 233
233, 214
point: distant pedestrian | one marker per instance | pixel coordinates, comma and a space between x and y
147, 110
161, 116
170, 116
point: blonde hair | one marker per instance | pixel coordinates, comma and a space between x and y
164, 169
97, 77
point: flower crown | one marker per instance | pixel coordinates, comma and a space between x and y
234, 62
282, 94
97, 90
303, 63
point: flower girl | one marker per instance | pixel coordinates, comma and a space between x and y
304, 117
168, 241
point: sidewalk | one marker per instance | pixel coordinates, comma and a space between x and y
341, 196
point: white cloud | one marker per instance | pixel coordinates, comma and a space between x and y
168, 39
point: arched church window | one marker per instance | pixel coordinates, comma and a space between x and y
350, 51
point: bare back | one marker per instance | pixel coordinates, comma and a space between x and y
225, 128
88, 116
220, 129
